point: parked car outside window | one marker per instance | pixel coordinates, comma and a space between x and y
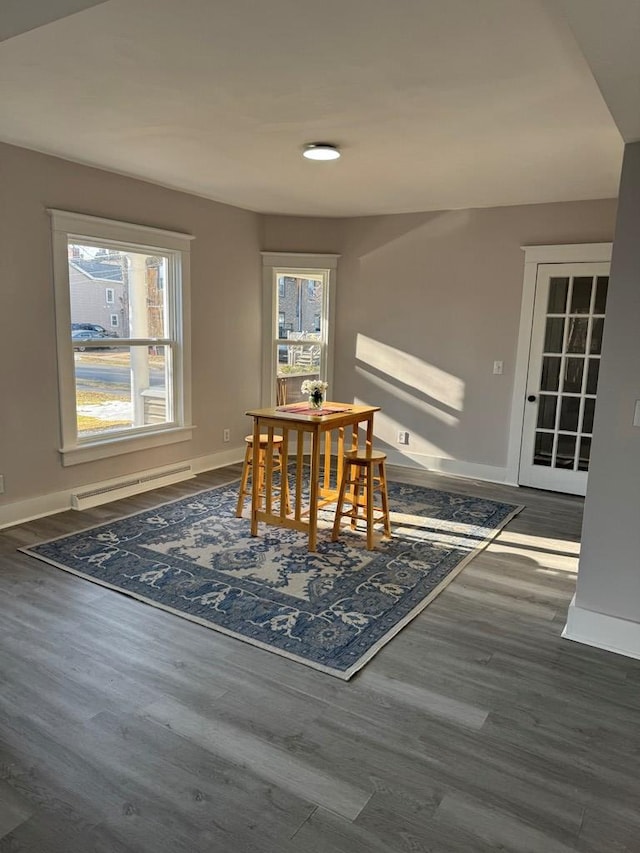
94, 327
78, 336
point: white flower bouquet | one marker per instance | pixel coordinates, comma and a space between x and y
316, 390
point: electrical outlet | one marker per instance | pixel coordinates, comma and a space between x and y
226, 435
1, 484
403, 437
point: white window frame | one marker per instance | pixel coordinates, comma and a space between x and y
176, 246
109, 295
298, 265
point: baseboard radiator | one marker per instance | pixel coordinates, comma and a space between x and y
116, 489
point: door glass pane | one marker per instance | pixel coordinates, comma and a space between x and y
601, 294
592, 375
558, 288
550, 379
585, 453
543, 450
569, 412
566, 451
554, 334
573, 370
578, 327
596, 336
587, 418
581, 295
547, 411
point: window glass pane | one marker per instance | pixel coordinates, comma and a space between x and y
601, 294
547, 411
566, 451
543, 449
300, 305
558, 288
577, 341
554, 333
581, 295
115, 289
121, 388
587, 418
569, 412
592, 375
596, 335
295, 364
573, 370
550, 374
585, 453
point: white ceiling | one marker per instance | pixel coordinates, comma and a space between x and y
436, 104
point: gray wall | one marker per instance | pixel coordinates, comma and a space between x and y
609, 572
425, 304
226, 270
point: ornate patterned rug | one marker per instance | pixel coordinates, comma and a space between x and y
332, 610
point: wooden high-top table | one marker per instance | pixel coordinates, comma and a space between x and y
324, 482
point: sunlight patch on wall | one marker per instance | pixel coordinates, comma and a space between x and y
386, 429
427, 379
404, 396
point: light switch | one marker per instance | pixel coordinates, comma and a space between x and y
497, 367
636, 414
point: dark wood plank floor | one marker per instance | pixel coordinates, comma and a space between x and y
124, 728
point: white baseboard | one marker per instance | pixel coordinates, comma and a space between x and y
602, 631
19, 512
450, 467
217, 460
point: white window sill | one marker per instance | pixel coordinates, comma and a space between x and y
86, 452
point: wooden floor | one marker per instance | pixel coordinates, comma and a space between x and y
124, 728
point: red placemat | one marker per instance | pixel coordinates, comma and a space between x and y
303, 409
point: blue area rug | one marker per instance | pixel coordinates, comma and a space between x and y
332, 610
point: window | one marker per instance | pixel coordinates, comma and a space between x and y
126, 390
298, 299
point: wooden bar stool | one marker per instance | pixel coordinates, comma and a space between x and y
357, 487
279, 464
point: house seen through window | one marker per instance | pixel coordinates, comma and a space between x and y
120, 384
125, 373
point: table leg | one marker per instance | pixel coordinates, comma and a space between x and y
314, 486
340, 459
369, 434
255, 480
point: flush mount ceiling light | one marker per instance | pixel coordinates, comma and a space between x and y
320, 151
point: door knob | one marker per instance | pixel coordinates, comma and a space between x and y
531, 398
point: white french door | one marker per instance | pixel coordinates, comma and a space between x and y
562, 378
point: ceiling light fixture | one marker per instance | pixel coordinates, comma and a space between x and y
320, 151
